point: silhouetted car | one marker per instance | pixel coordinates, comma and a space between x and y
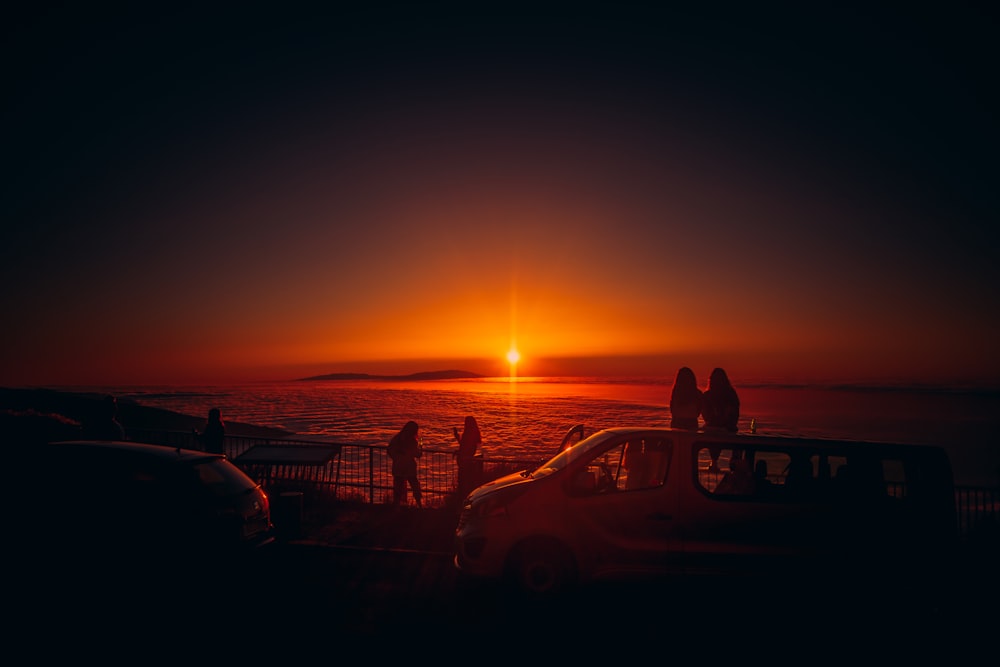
125, 501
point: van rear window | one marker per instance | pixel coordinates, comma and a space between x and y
798, 474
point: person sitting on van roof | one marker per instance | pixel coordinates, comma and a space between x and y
685, 400
721, 404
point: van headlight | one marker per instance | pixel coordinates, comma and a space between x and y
497, 504
490, 506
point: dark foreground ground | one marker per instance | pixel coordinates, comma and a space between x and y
369, 583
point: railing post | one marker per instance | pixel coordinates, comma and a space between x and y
371, 475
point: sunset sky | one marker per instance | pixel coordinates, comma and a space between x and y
205, 197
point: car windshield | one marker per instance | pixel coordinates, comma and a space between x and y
574, 453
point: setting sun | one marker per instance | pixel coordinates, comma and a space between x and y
513, 357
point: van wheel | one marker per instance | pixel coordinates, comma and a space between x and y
541, 567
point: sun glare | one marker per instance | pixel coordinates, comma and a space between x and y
513, 357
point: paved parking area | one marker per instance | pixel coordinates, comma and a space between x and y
382, 526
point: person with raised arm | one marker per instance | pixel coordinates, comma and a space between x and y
468, 443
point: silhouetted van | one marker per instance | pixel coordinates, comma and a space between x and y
629, 502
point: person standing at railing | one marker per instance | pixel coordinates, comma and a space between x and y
404, 450
214, 434
468, 442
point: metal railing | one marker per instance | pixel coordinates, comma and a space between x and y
978, 510
362, 473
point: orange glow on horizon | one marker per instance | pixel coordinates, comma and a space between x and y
513, 356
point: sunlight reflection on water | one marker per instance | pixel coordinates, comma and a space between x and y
517, 419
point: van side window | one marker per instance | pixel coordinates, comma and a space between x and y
646, 463
741, 472
801, 475
629, 466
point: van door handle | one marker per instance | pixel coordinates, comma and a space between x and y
660, 516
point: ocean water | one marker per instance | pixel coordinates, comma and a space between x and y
529, 417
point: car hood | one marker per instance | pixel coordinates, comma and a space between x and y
505, 482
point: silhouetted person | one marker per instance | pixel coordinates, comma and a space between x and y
404, 450
720, 408
685, 400
214, 433
468, 442
104, 424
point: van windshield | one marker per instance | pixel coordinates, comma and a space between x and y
574, 453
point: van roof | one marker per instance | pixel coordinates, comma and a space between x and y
745, 439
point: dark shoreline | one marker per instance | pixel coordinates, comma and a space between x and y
62, 412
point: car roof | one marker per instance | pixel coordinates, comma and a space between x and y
162, 453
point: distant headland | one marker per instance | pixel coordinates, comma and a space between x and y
412, 377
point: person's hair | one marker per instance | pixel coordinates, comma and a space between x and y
685, 384
718, 379
685, 377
